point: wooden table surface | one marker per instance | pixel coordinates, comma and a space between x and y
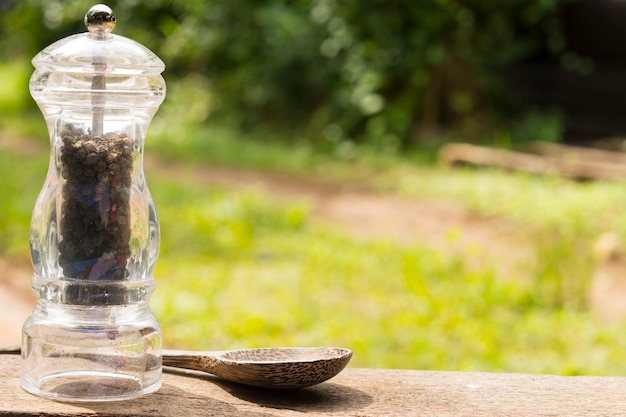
354, 392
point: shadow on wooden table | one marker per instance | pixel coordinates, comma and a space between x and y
326, 397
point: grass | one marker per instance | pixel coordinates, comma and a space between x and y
237, 269
255, 274
21, 179
563, 219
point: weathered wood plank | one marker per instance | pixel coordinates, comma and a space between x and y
354, 392
543, 159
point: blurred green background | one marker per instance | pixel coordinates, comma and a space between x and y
387, 74
347, 92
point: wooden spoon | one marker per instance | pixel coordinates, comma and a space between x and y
285, 368
277, 368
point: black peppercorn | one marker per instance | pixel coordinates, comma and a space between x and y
94, 225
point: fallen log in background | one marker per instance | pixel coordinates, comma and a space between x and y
541, 158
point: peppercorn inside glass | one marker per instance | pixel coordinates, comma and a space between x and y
96, 206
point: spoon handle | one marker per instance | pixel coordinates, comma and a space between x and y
199, 361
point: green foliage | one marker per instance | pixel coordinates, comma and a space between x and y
14, 88
538, 125
21, 180
18, 112
380, 72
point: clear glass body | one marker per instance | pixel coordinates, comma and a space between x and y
94, 234
87, 353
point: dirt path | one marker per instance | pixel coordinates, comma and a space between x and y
16, 300
354, 209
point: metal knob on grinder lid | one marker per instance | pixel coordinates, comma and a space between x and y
100, 21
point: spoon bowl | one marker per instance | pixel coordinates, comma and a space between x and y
276, 368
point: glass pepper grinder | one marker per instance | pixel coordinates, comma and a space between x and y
94, 233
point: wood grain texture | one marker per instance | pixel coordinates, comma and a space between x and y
354, 392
